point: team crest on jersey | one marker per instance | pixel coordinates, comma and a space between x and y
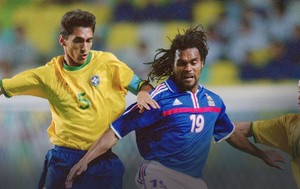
95, 80
210, 100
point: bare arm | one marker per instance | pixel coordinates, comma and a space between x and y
104, 143
244, 127
144, 99
239, 141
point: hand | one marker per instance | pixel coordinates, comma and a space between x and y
272, 157
76, 170
144, 100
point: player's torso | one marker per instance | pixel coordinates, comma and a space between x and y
83, 102
88, 91
184, 132
188, 115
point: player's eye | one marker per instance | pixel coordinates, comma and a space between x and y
78, 40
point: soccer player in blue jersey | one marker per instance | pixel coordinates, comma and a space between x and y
175, 139
86, 91
282, 132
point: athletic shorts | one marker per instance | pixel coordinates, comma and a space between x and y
104, 172
153, 175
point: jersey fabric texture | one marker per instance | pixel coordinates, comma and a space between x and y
83, 100
178, 135
283, 133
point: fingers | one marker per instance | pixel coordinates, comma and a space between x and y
70, 178
156, 105
147, 104
75, 171
144, 101
279, 157
279, 167
274, 158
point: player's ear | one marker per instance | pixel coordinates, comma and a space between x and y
202, 63
61, 41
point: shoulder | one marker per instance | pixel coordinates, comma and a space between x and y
55, 61
210, 92
107, 58
290, 118
160, 91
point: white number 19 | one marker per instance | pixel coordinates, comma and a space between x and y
197, 123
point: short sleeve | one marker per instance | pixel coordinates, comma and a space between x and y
223, 127
132, 120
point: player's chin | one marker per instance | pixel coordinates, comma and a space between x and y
188, 86
81, 61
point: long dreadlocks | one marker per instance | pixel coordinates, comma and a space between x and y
162, 66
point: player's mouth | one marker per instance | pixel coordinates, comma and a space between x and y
188, 77
83, 57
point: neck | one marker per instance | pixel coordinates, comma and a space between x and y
70, 63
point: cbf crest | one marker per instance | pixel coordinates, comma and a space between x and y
95, 80
210, 100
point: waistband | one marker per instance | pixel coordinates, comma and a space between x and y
76, 151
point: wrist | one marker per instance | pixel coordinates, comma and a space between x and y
145, 86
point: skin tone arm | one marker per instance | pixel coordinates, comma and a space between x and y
244, 127
104, 143
239, 141
144, 101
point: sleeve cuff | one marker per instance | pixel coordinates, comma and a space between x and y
3, 91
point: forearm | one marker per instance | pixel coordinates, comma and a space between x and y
239, 141
104, 143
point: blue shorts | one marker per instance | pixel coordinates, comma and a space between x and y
104, 172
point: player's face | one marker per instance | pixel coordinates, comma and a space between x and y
77, 46
187, 69
299, 94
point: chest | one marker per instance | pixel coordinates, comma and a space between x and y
190, 113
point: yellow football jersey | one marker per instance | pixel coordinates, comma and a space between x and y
282, 133
83, 100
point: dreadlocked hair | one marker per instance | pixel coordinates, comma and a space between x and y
162, 66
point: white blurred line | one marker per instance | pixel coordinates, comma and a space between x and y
237, 98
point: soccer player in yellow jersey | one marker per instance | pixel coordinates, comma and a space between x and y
86, 92
282, 133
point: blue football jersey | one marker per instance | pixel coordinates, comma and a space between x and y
179, 134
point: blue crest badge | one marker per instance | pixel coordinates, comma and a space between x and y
95, 80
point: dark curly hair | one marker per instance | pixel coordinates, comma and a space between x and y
162, 66
74, 19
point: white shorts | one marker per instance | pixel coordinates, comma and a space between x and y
153, 175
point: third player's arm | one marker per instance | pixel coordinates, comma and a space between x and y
239, 140
244, 127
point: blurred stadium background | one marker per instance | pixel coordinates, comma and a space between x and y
253, 63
